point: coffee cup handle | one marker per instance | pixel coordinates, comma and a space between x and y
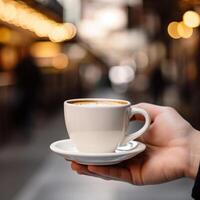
133, 136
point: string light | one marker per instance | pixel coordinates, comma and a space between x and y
20, 14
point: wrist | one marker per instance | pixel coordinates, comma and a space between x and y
193, 154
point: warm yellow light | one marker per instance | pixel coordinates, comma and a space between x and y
23, 19
12, 12
191, 19
20, 14
62, 32
45, 49
8, 58
184, 31
172, 30
70, 30
42, 28
5, 35
60, 61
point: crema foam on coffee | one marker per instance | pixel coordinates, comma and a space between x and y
98, 103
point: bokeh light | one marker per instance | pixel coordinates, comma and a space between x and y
191, 19
172, 30
116, 16
45, 49
184, 31
5, 35
121, 74
62, 32
20, 14
60, 61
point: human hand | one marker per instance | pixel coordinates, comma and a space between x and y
172, 152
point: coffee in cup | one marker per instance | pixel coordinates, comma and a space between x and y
98, 103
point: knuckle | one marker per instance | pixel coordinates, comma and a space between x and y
141, 104
80, 172
137, 181
169, 109
136, 175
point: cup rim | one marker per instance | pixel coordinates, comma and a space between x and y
125, 103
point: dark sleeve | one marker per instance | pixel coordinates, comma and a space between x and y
196, 188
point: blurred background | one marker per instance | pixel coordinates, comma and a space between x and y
139, 50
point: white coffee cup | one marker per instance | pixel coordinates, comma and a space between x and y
99, 125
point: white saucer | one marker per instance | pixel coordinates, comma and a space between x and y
66, 149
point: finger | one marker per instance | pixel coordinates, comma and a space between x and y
135, 166
79, 168
113, 172
146, 137
94, 175
153, 110
83, 170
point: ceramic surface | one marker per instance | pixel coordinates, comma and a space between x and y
101, 128
68, 151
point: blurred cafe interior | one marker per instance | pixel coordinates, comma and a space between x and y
53, 50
